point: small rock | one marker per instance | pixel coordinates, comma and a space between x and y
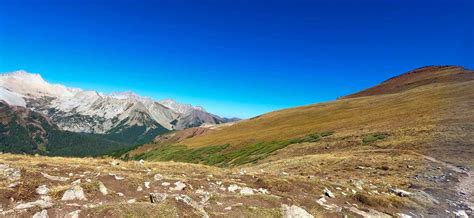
103, 189
158, 177
42, 190
294, 212
131, 201
402, 215
228, 208
461, 214
55, 178
233, 188
178, 186
74, 214
42, 214
328, 193
165, 184
157, 197
263, 191
147, 184
120, 194
74, 193
43, 203
246, 191
400, 192
139, 189
141, 162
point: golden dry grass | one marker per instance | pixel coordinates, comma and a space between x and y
417, 108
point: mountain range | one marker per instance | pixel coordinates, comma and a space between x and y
123, 117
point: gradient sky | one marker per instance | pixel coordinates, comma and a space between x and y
234, 57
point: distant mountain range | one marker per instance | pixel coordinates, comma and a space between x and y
124, 117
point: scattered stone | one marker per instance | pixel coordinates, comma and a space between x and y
400, 192
189, 201
139, 189
284, 174
11, 174
294, 212
141, 162
120, 194
233, 188
119, 177
158, 177
42, 190
165, 184
103, 189
74, 214
360, 167
55, 178
358, 184
263, 191
74, 193
246, 191
115, 163
178, 186
147, 184
42, 214
328, 193
461, 214
402, 215
323, 202
228, 208
43, 203
157, 197
131, 201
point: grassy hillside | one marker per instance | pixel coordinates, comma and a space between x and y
409, 117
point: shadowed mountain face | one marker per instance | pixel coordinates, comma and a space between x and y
26, 131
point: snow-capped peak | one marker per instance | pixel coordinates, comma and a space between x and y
129, 95
24, 75
179, 107
30, 84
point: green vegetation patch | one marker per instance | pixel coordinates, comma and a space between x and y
373, 137
223, 155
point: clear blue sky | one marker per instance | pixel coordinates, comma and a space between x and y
234, 57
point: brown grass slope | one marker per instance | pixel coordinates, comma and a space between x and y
422, 107
418, 77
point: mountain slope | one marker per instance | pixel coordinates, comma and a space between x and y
124, 116
25, 131
423, 108
418, 77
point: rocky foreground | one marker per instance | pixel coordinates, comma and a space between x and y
71, 187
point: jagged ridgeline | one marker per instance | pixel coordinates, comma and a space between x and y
101, 122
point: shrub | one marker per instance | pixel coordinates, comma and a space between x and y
373, 137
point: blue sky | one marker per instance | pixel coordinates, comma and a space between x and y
236, 58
